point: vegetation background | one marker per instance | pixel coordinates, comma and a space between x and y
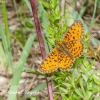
20, 55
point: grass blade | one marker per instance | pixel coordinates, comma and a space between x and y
6, 48
17, 74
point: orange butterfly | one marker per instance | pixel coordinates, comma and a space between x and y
66, 51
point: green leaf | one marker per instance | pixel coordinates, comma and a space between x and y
45, 4
51, 41
50, 17
18, 36
29, 70
29, 23
79, 92
53, 3
64, 90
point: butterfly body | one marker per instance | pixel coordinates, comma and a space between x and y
66, 51
62, 48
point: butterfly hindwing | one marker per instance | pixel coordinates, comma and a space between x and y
75, 48
50, 64
64, 60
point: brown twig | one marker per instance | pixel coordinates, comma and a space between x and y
31, 83
37, 24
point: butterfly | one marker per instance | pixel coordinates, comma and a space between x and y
66, 51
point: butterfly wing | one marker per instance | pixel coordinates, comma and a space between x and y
75, 48
50, 64
64, 60
72, 47
74, 32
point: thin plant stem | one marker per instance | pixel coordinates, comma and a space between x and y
41, 43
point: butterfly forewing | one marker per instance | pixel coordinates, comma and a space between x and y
74, 32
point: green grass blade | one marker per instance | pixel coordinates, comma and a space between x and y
6, 48
3, 60
94, 12
84, 8
4, 11
17, 74
28, 4
35, 90
7, 37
